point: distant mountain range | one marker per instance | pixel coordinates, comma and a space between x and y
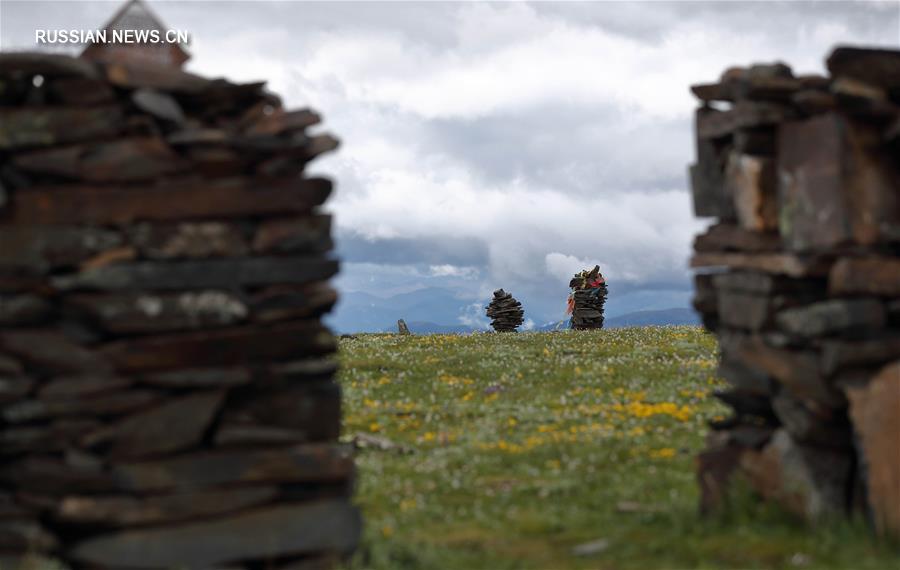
438, 310
636, 319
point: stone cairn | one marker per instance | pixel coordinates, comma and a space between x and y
589, 293
166, 393
800, 281
505, 312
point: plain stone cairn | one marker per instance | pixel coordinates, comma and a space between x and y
799, 278
589, 301
167, 391
506, 313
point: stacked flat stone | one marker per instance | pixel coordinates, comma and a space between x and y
505, 312
166, 386
800, 280
588, 301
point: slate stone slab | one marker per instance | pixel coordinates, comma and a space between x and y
175, 425
201, 274
266, 534
730, 237
807, 480
178, 200
19, 310
40, 249
875, 410
108, 404
69, 387
51, 352
136, 313
22, 128
189, 240
125, 511
40, 63
865, 275
713, 124
750, 181
776, 263
300, 464
833, 316
125, 160
308, 234
880, 67
227, 347
199, 378
281, 303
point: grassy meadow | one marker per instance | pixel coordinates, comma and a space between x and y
554, 451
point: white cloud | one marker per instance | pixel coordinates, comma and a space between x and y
447, 270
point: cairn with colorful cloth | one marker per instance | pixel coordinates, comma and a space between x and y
586, 299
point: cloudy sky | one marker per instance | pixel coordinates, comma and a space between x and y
500, 144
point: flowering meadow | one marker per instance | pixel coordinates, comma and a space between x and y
552, 451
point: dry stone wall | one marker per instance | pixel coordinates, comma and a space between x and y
167, 395
799, 277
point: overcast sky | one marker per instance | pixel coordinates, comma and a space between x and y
500, 144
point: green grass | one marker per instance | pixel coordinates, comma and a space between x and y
521, 446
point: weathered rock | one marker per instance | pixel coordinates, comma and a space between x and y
126, 160
840, 354
202, 274
312, 408
777, 263
54, 477
833, 316
81, 91
21, 310
189, 240
879, 67
301, 464
26, 536
310, 234
85, 385
798, 371
49, 64
108, 404
875, 411
729, 237
173, 426
746, 378
49, 351
40, 249
807, 480
235, 198
707, 181
158, 104
750, 181
279, 303
835, 186
224, 347
124, 510
147, 313
808, 426
712, 123
865, 275
266, 534
14, 388
199, 378
250, 435
38, 127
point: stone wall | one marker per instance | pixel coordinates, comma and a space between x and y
799, 277
167, 395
